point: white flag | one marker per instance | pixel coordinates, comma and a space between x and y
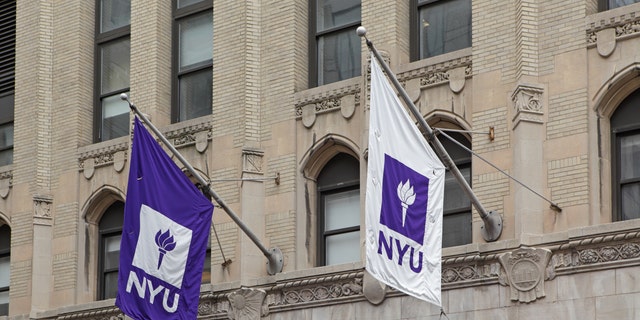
405, 190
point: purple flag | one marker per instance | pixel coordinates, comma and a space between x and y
164, 237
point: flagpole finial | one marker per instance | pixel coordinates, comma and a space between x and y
361, 31
125, 97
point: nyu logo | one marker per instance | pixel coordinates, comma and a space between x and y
162, 254
404, 200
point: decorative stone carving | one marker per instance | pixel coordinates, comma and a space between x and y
202, 141
308, 115
434, 78
252, 161
525, 272
42, 210
118, 161
606, 41
348, 106
374, 290
527, 102
6, 181
457, 79
247, 304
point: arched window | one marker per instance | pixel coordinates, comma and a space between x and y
625, 158
456, 224
110, 234
5, 268
338, 187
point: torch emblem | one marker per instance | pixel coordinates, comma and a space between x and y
165, 242
407, 196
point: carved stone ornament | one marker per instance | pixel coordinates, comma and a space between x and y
247, 304
457, 79
374, 290
89, 168
118, 161
525, 272
252, 161
309, 115
6, 179
606, 41
527, 102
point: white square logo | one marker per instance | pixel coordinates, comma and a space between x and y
163, 247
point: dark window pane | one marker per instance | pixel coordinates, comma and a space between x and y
630, 157
630, 197
336, 13
206, 270
195, 94
444, 26
4, 303
115, 118
184, 3
111, 251
114, 65
110, 285
6, 144
114, 14
196, 40
456, 229
338, 56
343, 248
4, 271
619, 3
454, 196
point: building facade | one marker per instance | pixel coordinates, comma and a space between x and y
268, 100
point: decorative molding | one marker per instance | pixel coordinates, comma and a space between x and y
247, 304
42, 209
525, 272
110, 313
252, 161
101, 155
6, 182
319, 290
622, 26
527, 102
343, 99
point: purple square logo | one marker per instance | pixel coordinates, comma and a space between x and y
404, 199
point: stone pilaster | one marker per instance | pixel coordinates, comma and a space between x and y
528, 137
253, 262
41, 274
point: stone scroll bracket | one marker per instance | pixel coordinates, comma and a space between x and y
42, 209
247, 303
528, 104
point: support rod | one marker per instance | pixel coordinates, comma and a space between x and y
492, 221
274, 255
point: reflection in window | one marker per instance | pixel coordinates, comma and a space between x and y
441, 27
110, 231
336, 46
625, 136
7, 79
193, 60
612, 4
339, 211
113, 46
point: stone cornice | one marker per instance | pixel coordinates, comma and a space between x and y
308, 288
625, 20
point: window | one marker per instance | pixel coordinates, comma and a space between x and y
110, 233
604, 5
440, 26
192, 59
456, 223
7, 76
334, 50
5, 268
339, 211
625, 136
111, 116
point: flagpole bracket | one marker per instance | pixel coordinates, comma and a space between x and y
492, 228
275, 261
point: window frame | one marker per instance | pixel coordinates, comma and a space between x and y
179, 14
7, 70
6, 252
104, 234
463, 160
100, 40
314, 37
333, 188
414, 28
603, 5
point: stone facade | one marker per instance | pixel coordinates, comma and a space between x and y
543, 76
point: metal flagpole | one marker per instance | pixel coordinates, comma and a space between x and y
492, 221
274, 255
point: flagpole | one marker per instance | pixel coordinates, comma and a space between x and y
274, 255
492, 221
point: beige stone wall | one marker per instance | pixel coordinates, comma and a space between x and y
267, 122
